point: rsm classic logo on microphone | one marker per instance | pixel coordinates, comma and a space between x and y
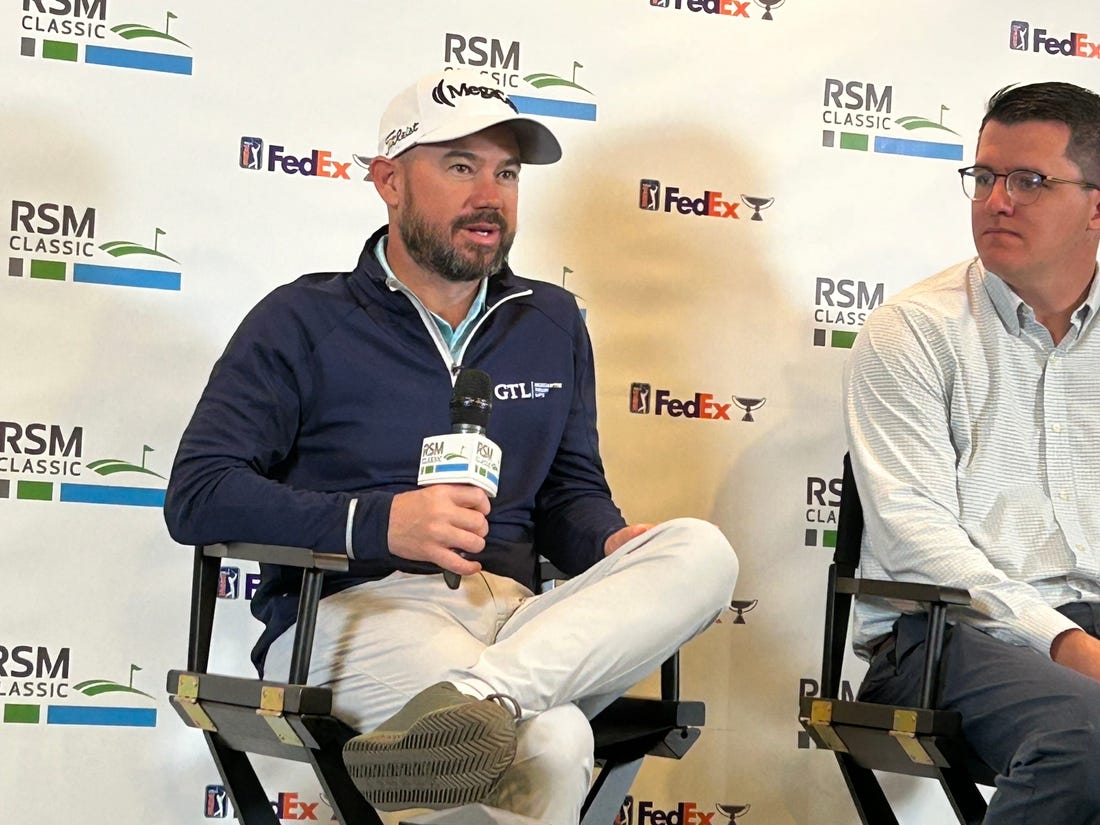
460, 458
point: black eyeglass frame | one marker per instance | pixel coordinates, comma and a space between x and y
968, 171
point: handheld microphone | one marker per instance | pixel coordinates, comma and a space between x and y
466, 455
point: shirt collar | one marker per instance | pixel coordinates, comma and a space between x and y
453, 336
1011, 308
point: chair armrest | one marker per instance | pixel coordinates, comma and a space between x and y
208, 558
903, 591
301, 557
938, 600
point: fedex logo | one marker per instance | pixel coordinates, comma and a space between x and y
701, 406
288, 806
317, 163
729, 8
686, 813
710, 204
1076, 45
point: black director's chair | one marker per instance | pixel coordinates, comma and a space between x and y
242, 716
867, 737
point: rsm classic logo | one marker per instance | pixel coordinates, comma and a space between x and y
46, 462
532, 93
58, 242
80, 31
855, 111
30, 673
841, 305
822, 501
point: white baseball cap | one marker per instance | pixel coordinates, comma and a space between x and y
453, 104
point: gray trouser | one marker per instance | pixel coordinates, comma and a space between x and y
1035, 722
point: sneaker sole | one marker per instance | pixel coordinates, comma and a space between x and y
449, 758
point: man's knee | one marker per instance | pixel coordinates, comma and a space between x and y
708, 559
559, 740
1067, 753
1078, 747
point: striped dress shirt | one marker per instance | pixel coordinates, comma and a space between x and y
975, 443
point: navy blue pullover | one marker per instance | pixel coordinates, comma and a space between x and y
324, 395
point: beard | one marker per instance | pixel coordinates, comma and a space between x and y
432, 248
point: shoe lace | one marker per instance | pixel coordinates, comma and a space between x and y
506, 702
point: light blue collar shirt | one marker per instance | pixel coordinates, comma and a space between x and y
453, 337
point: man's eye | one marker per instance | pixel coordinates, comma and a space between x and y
1027, 183
984, 178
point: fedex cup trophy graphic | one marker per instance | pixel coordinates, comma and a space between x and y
748, 405
756, 204
768, 5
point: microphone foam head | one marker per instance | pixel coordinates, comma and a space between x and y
472, 399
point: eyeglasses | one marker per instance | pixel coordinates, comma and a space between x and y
1023, 185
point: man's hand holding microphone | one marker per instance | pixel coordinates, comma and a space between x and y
448, 517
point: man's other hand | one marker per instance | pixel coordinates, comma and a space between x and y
1078, 651
621, 537
435, 523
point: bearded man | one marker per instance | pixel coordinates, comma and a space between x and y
309, 433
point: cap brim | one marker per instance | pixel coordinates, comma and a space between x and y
537, 144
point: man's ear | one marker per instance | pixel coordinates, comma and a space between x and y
1093, 224
385, 174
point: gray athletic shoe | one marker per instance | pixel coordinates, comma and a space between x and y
441, 750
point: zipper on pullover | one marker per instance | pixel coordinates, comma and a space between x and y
453, 364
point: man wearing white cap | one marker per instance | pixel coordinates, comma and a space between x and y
309, 434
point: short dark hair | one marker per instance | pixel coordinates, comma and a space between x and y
1077, 108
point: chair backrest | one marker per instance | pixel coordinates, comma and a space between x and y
849, 526
849, 538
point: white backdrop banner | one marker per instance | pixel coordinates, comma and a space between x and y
742, 183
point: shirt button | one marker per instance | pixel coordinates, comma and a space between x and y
1056, 428
1064, 495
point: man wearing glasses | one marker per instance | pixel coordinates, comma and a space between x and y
973, 415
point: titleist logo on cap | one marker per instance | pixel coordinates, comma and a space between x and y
398, 135
446, 93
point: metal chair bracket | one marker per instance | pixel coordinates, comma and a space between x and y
271, 709
821, 720
905, 734
195, 712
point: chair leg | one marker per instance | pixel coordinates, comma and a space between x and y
347, 803
965, 798
605, 799
871, 803
250, 802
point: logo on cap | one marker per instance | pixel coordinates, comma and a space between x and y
398, 135
446, 93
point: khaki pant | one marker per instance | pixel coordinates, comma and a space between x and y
562, 655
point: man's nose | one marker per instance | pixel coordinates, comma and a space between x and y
488, 192
999, 199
